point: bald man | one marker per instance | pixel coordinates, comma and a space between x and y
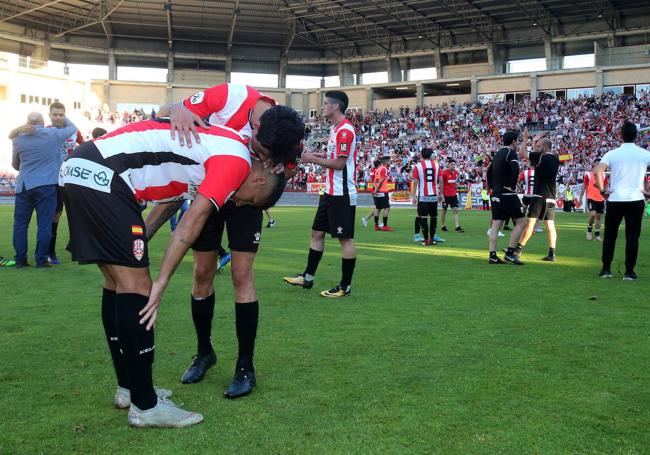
37, 158
542, 203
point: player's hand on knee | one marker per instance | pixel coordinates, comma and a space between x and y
150, 312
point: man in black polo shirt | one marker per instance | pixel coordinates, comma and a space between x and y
505, 202
542, 203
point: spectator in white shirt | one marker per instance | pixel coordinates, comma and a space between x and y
626, 198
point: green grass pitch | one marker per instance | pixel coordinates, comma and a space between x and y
435, 351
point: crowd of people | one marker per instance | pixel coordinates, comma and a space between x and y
579, 130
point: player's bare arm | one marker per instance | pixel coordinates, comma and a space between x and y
159, 215
522, 151
599, 173
187, 232
337, 164
26, 128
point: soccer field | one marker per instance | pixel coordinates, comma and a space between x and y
435, 351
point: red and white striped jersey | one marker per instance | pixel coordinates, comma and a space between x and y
158, 169
70, 143
427, 172
227, 105
527, 180
342, 143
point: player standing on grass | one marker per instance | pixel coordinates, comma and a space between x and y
450, 195
595, 202
380, 194
336, 208
505, 202
106, 181
365, 219
542, 202
242, 109
426, 194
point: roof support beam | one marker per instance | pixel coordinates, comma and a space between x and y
233, 22
88, 24
30, 10
456, 12
170, 33
106, 26
407, 25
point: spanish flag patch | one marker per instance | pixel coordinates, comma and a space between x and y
137, 230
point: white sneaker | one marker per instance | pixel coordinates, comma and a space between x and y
589, 237
539, 229
488, 232
364, 221
501, 234
123, 396
164, 415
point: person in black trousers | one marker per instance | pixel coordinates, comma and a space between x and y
626, 198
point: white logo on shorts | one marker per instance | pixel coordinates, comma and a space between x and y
339, 230
82, 172
257, 236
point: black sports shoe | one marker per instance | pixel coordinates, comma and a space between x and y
200, 364
549, 258
496, 260
517, 253
605, 274
630, 276
242, 384
459, 229
514, 259
444, 228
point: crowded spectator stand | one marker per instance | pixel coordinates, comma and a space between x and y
580, 130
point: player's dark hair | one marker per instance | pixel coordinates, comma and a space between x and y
98, 132
339, 97
57, 105
281, 131
509, 137
426, 153
376, 163
628, 131
275, 195
451, 160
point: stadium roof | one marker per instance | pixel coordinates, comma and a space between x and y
313, 29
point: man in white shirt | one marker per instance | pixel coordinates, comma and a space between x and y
626, 198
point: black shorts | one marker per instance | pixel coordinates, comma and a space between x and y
506, 206
104, 218
541, 209
526, 200
381, 202
427, 209
60, 195
450, 201
243, 225
596, 206
335, 215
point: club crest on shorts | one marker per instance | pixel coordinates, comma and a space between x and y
339, 230
138, 249
257, 237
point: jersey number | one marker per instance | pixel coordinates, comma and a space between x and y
428, 175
